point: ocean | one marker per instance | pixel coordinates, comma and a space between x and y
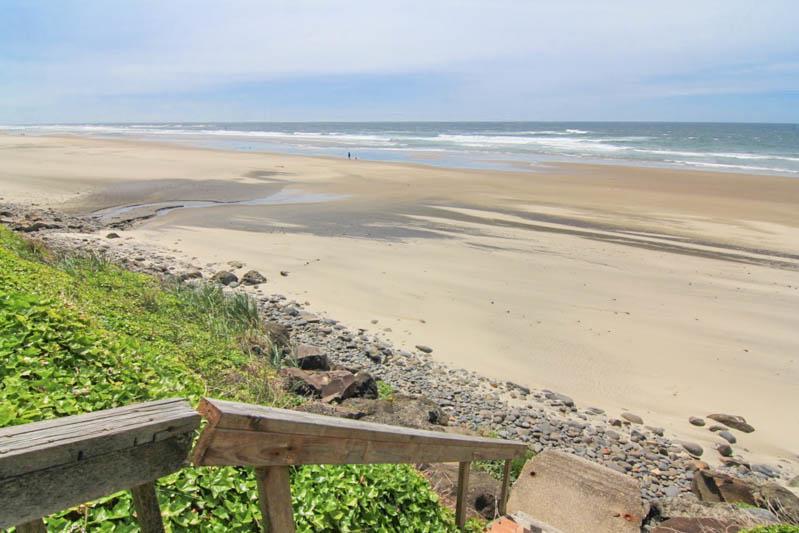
750, 148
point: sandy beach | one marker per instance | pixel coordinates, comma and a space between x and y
667, 293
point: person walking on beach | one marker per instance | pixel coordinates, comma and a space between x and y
349, 155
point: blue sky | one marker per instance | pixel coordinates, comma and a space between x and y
181, 60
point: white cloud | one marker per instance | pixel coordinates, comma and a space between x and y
521, 50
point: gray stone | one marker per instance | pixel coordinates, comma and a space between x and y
423, 348
633, 418
224, 277
253, 277
112, 235
696, 421
729, 437
724, 449
733, 421
692, 448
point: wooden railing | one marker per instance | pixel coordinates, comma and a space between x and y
49, 466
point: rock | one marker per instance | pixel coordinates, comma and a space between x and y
692, 448
253, 277
333, 385
711, 486
630, 417
423, 348
310, 357
696, 421
780, 500
724, 449
365, 386
190, 274
284, 273
575, 495
729, 437
733, 421
112, 235
224, 277
562, 398
766, 470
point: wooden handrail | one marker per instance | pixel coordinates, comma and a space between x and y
272, 439
56, 464
52, 465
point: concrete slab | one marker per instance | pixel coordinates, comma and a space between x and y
575, 495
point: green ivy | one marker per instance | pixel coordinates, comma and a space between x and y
79, 335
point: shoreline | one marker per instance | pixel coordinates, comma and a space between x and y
606, 227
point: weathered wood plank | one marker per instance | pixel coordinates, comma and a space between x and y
250, 448
148, 512
463, 489
503, 497
237, 433
47, 491
40, 445
274, 498
49, 466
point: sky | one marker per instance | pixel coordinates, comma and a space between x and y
238, 60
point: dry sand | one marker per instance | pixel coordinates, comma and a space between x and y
664, 292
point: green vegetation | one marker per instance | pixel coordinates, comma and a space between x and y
777, 528
384, 390
496, 468
78, 334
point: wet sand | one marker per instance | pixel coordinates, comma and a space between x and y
667, 293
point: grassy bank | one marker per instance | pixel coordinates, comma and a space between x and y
78, 334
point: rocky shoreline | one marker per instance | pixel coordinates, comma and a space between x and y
544, 419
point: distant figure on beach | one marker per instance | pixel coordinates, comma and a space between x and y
349, 155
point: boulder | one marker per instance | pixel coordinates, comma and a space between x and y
576, 495
780, 500
329, 386
696, 421
224, 278
311, 357
724, 449
733, 421
253, 277
711, 486
729, 437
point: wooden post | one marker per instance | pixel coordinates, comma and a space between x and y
274, 497
34, 526
503, 497
148, 513
463, 488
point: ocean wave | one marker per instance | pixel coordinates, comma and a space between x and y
722, 155
750, 168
